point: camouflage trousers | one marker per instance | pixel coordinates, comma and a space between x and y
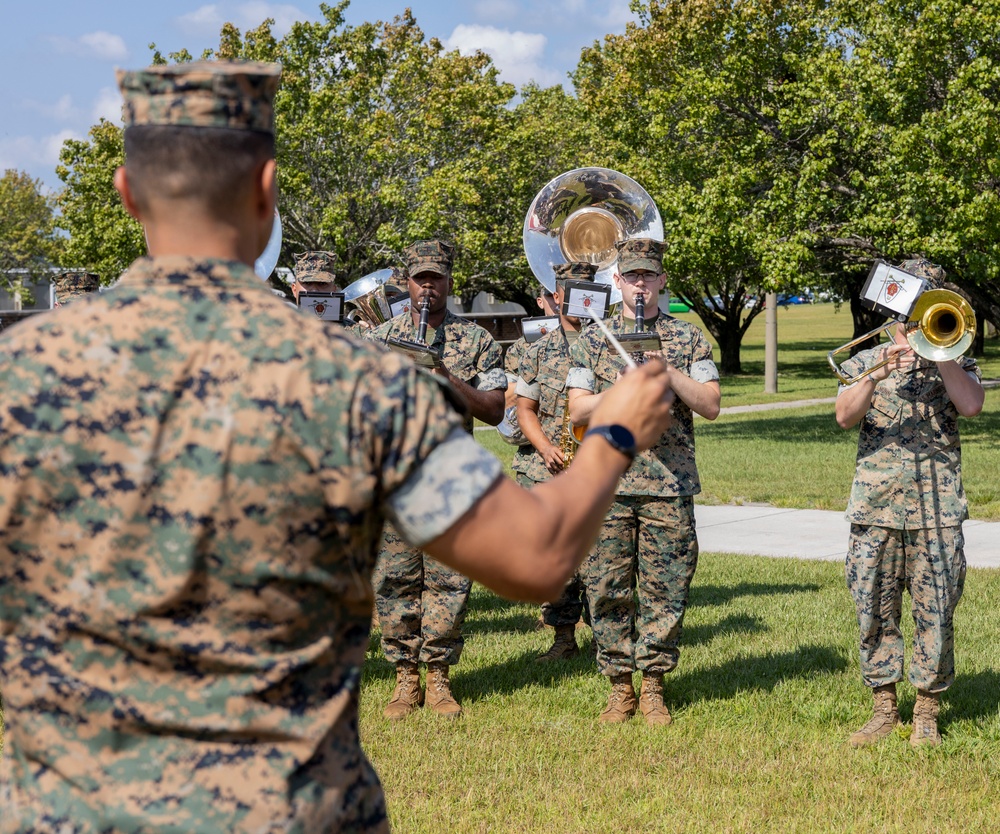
930, 564
421, 604
637, 579
572, 603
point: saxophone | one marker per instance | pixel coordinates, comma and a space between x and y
567, 440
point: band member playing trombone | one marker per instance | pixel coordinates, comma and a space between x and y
638, 575
421, 603
906, 510
543, 415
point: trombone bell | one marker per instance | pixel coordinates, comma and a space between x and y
947, 326
942, 326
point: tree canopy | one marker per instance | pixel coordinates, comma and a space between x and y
28, 240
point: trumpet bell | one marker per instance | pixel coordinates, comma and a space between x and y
947, 325
580, 216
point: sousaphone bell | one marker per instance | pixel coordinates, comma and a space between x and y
580, 216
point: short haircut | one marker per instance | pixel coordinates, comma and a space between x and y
180, 162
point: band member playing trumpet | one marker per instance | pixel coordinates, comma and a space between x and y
638, 575
421, 603
906, 510
542, 414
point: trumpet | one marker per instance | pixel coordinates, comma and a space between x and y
941, 327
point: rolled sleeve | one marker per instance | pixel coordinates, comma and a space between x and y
704, 371
493, 380
582, 378
533, 391
452, 479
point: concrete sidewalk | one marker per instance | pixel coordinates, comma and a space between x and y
810, 534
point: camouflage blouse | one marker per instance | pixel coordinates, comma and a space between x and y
668, 468
468, 351
193, 483
542, 374
909, 473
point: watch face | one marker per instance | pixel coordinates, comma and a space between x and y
622, 437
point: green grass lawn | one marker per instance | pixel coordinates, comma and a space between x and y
765, 696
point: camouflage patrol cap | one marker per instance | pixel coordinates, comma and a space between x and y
575, 271
316, 267
923, 268
70, 285
429, 256
228, 94
640, 253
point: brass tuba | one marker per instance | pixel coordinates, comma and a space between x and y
580, 216
367, 297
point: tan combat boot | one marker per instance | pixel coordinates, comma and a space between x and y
651, 701
564, 646
621, 702
439, 697
925, 714
408, 695
884, 720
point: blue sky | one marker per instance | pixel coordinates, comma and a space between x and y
58, 58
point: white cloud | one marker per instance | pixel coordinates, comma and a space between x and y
32, 153
499, 10
618, 14
208, 20
107, 105
103, 45
61, 111
518, 55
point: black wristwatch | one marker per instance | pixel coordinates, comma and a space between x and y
618, 436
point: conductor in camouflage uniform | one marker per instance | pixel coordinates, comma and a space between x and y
193, 483
541, 414
906, 510
638, 575
421, 603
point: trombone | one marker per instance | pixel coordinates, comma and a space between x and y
941, 327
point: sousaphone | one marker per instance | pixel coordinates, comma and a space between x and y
580, 216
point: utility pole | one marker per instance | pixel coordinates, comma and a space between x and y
771, 343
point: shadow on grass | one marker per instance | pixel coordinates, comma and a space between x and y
761, 673
972, 697
733, 624
705, 595
782, 426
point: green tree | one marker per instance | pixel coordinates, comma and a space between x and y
692, 102
103, 238
28, 239
921, 79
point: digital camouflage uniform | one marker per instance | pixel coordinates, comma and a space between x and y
638, 575
72, 285
906, 510
190, 514
193, 483
421, 603
542, 378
